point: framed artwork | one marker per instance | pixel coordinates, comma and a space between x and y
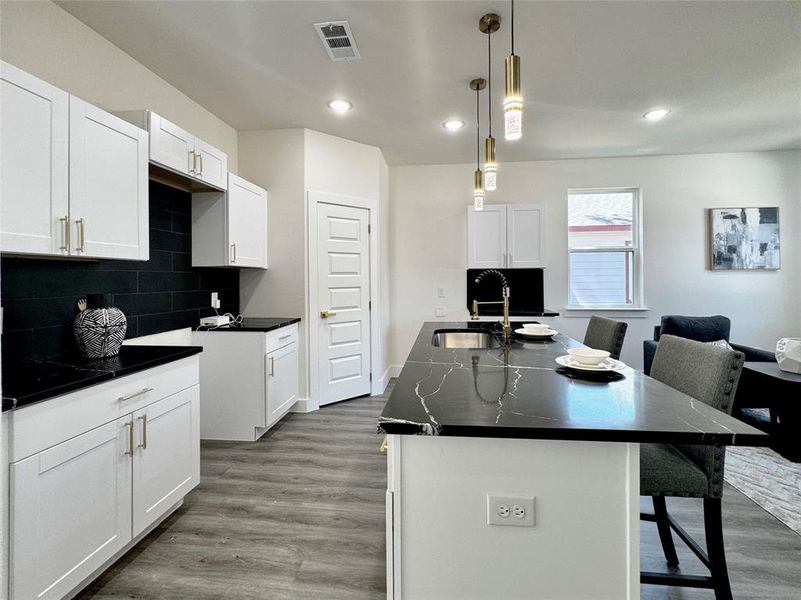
745, 239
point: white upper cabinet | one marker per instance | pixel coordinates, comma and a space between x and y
170, 145
108, 185
180, 151
505, 236
524, 238
229, 229
486, 237
74, 177
34, 180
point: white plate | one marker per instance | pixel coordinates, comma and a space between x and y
609, 364
548, 333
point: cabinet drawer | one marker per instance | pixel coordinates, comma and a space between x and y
40, 426
282, 337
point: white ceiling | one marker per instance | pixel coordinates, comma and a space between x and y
730, 71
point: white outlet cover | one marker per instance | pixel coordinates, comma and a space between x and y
439, 311
441, 292
519, 510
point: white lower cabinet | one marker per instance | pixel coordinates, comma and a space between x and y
249, 380
166, 463
78, 504
70, 511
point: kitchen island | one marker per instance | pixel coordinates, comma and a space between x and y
504, 435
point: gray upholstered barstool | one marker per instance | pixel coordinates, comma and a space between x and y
709, 374
606, 334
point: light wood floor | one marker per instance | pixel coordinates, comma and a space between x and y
300, 514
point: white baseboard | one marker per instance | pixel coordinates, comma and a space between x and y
383, 382
394, 371
305, 405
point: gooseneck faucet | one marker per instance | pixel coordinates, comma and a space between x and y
507, 327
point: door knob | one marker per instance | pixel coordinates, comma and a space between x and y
324, 314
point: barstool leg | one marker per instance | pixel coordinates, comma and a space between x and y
665, 535
713, 526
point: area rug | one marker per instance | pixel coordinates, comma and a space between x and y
768, 479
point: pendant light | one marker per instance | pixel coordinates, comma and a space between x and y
513, 101
478, 180
489, 24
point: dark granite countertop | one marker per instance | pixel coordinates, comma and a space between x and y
254, 324
31, 381
520, 392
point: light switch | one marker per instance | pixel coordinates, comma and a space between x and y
440, 292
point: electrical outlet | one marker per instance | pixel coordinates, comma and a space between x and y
516, 511
439, 311
441, 292
215, 300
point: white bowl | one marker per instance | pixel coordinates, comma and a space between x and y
588, 356
535, 328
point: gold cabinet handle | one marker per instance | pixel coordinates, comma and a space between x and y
272, 367
324, 314
66, 222
201, 163
130, 426
80, 224
143, 445
193, 156
135, 394
233, 253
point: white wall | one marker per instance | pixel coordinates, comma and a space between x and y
289, 163
45, 40
428, 239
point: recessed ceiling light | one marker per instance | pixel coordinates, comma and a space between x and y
657, 114
340, 106
453, 124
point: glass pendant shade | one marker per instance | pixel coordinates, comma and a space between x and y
478, 191
490, 166
513, 101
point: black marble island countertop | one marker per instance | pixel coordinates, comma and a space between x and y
520, 392
31, 381
254, 324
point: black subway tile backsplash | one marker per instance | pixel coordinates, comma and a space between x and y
163, 293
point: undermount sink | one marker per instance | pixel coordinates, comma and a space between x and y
464, 338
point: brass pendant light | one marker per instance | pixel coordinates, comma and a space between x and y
513, 101
489, 24
478, 180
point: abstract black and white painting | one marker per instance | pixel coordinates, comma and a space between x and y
745, 238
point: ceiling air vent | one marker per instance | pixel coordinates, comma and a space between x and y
338, 40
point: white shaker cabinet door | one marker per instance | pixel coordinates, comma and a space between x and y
34, 146
525, 235
108, 185
70, 511
282, 381
486, 237
166, 463
212, 164
247, 223
171, 146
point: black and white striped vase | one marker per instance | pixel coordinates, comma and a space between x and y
99, 329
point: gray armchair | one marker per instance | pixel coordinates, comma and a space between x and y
700, 329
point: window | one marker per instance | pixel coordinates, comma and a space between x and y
604, 248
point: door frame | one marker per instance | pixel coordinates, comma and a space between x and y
313, 199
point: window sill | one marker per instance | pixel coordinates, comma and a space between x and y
630, 312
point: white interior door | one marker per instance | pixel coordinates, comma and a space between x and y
524, 231
108, 185
486, 237
342, 304
33, 164
247, 223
